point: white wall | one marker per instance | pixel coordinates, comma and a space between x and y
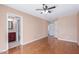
34, 28
66, 28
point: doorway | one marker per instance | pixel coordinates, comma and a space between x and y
51, 29
14, 30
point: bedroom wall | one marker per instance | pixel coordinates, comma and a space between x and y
34, 28
66, 27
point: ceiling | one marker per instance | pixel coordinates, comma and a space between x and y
60, 10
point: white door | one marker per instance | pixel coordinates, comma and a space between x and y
51, 29
18, 29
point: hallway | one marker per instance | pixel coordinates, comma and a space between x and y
48, 45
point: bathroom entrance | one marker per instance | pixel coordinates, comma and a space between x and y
14, 30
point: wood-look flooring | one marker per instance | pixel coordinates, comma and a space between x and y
49, 45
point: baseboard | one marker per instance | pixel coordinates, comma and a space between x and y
3, 50
24, 43
65, 40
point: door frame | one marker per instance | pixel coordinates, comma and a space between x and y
21, 28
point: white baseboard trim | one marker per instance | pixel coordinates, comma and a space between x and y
65, 39
24, 43
3, 50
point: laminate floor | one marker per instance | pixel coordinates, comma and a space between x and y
48, 45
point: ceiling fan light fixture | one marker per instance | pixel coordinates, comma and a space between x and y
46, 9
44, 12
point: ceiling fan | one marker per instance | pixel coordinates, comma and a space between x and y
46, 9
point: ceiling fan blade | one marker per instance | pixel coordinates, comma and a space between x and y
52, 7
39, 9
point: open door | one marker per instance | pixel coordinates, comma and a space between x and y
14, 30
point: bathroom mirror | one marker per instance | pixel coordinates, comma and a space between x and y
10, 25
